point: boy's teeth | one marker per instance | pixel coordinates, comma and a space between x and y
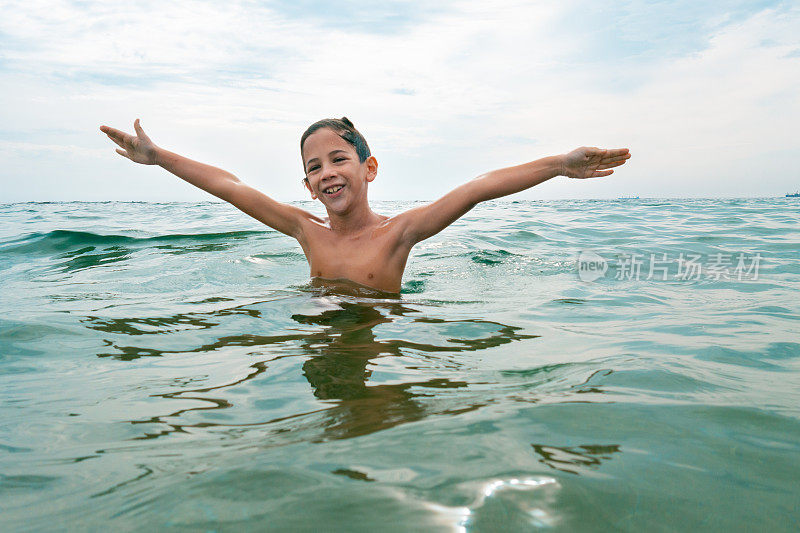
334, 189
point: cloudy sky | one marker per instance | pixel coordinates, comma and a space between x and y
705, 94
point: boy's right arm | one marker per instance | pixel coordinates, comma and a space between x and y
224, 185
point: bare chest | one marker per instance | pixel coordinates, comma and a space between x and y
374, 259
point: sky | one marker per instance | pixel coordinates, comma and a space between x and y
706, 95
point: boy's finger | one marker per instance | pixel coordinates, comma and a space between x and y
123, 153
613, 164
139, 131
601, 173
119, 142
621, 157
115, 135
609, 160
111, 132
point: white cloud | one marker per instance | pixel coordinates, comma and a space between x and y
464, 89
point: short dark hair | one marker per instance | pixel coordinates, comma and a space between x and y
344, 129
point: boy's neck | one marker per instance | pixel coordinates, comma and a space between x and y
353, 221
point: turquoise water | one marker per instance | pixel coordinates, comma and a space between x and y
169, 366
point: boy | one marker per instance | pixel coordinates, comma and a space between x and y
354, 242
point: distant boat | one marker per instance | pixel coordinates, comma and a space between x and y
793, 195
628, 198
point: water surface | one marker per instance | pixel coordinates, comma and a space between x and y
170, 366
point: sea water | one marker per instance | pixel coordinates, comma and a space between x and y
569, 365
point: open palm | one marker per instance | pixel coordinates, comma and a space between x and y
593, 162
139, 148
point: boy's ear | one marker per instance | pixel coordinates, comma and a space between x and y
308, 186
372, 168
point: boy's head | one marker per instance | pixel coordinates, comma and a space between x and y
344, 129
337, 164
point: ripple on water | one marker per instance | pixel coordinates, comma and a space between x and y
185, 374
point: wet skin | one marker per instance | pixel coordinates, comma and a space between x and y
353, 242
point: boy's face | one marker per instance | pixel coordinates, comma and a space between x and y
333, 172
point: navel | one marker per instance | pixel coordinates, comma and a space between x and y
370, 276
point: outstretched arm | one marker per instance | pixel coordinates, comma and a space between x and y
426, 221
224, 185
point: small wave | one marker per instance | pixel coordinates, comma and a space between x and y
65, 240
289, 256
569, 301
489, 257
413, 286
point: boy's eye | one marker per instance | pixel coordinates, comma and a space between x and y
338, 159
312, 169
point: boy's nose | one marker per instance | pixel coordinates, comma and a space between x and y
328, 172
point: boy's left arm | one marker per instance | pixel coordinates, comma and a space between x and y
426, 221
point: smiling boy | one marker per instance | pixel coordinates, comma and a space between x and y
353, 242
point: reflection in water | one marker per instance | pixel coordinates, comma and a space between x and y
339, 351
82, 259
589, 385
516, 504
352, 474
339, 370
576, 458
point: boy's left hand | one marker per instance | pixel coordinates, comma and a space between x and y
592, 162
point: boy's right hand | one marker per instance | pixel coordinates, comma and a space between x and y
139, 149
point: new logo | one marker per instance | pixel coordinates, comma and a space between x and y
591, 266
